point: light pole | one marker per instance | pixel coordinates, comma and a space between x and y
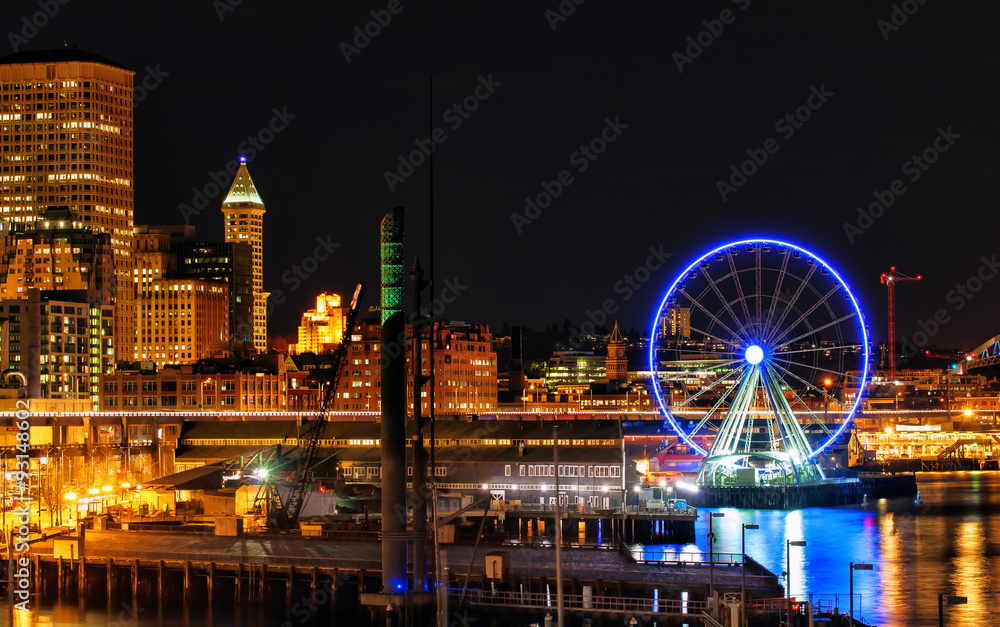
855, 567
826, 402
788, 573
711, 561
943, 600
743, 594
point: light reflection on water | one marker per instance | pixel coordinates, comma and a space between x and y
950, 545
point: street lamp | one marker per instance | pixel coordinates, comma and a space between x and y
826, 402
711, 559
788, 572
743, 594
943, 600
855, 567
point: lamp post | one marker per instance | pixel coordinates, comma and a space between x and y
711, 561
788, 572
743, 585
855, 567
943, 600
826, 402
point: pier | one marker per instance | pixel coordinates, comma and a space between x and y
600, 582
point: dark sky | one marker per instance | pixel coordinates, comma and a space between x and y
654, 186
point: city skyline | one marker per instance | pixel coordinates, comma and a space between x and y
695, 145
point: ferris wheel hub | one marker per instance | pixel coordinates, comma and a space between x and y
755, 354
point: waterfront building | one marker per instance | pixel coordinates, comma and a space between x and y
213, 385
579, 367
66, 139
243, 222
465, 373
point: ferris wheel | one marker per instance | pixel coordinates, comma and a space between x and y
760, 347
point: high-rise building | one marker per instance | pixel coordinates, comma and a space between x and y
243, 217
66, 139
322, 328
180, 318
58, 252
60, 342
225, 262
676, 322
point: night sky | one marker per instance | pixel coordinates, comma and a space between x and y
552, 85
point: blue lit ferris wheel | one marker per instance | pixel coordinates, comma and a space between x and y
759, 347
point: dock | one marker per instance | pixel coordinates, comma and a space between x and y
615, 581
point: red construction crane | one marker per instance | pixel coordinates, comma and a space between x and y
890, 280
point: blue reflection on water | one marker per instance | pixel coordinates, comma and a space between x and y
950, 544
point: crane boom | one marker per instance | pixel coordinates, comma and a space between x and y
890, 280
315, 430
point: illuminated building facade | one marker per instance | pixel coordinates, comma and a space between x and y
58, 253
66, 139
180, 318
223, 262
322, 328
243, 216
616, 364
579, 367
466, 373
60, 342
677, 322
208, 385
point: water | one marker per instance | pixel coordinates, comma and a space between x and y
949, 545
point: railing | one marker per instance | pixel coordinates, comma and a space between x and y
578, 602
669, 511
681, 558
823, 603
235, 558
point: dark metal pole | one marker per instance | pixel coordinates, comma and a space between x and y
851, 603
711, 561
393, 364
788, 579
419, 462
559, 577
940, 611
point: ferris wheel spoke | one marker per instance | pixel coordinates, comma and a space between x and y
739, 290
777, 290
820, 349
808, 312
715, 408
790, 306
816, 419
811, 385
760, 291
714, 319
725, 303
714, 385
816, 330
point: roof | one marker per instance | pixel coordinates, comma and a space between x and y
444, 430
243, 192
200, 478
58, 55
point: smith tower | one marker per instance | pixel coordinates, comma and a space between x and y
243, 212
66, 140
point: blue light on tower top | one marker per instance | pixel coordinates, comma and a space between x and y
243, 159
